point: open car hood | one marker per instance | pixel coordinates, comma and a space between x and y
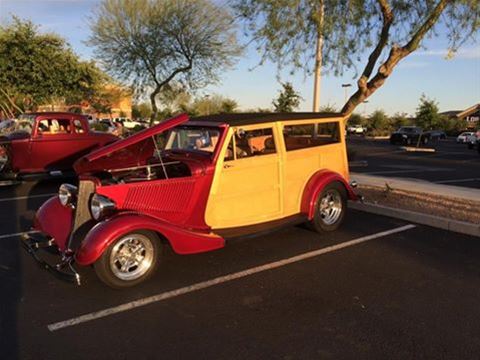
125, 151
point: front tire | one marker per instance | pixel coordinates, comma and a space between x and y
330, 208
129, 260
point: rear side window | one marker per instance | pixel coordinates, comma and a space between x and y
311, 135
78, 126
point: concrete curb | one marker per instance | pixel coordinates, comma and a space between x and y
417, 149
461, 227
424, 187
386, 137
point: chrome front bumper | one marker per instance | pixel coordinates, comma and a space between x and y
34, 241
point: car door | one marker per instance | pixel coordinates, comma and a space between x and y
247, 185
55, 144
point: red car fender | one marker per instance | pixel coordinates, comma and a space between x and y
315, 186
105, 233
55, 220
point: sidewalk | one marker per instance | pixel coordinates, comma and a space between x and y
447, 207
420, 186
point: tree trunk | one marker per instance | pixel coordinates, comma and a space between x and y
318, 61
153, 102
366, 85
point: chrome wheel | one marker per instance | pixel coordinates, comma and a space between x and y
131, 257
330, 207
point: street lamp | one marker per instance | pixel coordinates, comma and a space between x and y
346, 86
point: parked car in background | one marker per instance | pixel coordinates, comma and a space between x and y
49, 142
6, 124
192, 184
409, 135
437, 134
91, 119
356, 129
112, 127
127, 123
465, 137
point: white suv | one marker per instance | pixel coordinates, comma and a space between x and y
357, 129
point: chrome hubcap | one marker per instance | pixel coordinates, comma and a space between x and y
131, 257
330, 207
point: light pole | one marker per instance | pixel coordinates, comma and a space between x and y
346, 86
207, 100
365, 102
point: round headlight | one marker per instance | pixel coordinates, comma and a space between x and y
66, 194
100, 206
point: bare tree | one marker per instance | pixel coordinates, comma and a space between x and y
300, 33
149, 43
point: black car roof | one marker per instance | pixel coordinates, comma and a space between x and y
237, 119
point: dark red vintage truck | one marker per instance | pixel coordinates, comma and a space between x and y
46, 143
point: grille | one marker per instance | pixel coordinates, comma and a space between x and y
171, 196
82, 216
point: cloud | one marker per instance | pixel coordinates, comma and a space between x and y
471, 53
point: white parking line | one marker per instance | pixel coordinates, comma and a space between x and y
6, 236
27, 197
217, 281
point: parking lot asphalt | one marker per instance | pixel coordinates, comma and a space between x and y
450, 164
374, 289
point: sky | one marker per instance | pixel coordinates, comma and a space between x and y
453, 83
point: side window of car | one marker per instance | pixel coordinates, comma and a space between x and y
311, 135
251, 143
77, 124
54, 126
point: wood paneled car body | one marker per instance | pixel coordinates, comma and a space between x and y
40, 143
192, 184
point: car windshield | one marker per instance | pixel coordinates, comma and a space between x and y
190, 138
23, 124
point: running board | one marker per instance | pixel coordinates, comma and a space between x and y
260, 229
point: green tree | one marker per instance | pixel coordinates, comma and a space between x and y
228, 106
356, 119
427, 115
295, 32
288, 99
379, 120
141, 111
328, 108
213, 104
400, 119
150, 43
37, 69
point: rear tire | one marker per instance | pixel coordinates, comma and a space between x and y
330, 208
129, 260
